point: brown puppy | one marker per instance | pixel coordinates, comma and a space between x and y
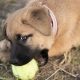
39, 28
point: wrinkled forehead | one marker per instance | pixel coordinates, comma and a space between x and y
15, 25
30, 18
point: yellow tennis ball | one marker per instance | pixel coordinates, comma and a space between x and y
27, 71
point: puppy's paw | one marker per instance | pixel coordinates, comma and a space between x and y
4, 57
4, 45
55, 51
4, 50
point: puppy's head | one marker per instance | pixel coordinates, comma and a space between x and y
29, 32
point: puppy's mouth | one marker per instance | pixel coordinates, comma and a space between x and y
42, 58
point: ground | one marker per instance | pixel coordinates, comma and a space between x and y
53, 70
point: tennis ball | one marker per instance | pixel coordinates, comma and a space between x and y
27, 71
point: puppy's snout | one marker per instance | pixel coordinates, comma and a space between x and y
20, 54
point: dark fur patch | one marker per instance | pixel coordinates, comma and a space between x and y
21, 55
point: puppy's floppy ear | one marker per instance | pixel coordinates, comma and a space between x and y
38, 17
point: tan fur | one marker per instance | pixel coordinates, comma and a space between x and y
4, 51
67, 13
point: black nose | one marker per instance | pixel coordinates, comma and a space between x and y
20, 62
14, 61
20, 54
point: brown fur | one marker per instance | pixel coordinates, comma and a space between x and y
25, 21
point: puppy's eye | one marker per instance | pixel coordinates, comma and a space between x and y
23, 38
18, 36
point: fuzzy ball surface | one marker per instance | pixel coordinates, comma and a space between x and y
27, 71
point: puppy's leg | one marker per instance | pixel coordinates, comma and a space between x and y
61, 47
4, 50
